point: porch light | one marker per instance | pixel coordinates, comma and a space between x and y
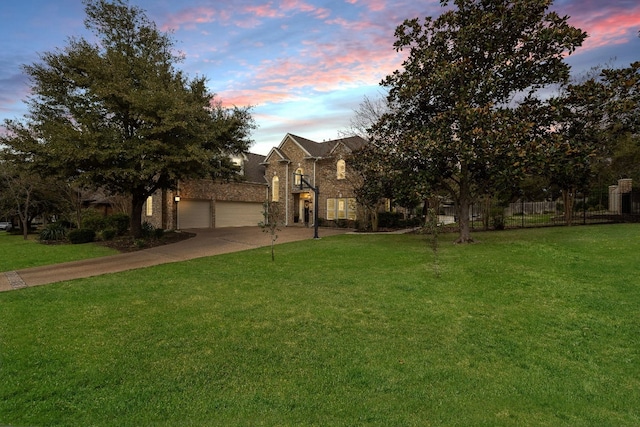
176, 199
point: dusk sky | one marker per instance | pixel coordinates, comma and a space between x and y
304, 65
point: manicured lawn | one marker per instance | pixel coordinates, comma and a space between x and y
17, 253
528, 327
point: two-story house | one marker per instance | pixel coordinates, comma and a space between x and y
275, 177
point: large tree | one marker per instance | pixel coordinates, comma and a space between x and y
453, 118
117, 114
622, 103
576, 142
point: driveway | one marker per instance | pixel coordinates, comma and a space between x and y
207, 242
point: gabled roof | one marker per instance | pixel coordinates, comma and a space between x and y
254, 167
277, 153
326, 148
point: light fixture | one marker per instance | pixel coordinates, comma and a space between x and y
176, 199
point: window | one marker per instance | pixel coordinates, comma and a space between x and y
275, 189
238, 163
341, 169
149, 207
341, 208
297, 181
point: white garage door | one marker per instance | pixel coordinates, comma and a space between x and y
238, 214
194, 214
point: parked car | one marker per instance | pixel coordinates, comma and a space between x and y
6, 226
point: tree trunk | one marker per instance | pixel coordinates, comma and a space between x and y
137, 203
568, 196
462, 208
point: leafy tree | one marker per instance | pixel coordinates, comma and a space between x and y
371, 179
576, 141
116, 114
454, 121
622, 103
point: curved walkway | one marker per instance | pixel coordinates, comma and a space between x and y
207, 242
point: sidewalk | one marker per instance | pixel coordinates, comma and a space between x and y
207, 242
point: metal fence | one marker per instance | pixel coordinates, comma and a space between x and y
521, 214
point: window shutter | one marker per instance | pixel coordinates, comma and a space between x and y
331, 209
351, 209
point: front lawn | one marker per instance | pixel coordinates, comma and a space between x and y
527, 327
17, 253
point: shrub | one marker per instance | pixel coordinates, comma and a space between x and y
147, 229
119, 222
158, 233
93, 220
53, 233
108, 233
82, 235
389, 219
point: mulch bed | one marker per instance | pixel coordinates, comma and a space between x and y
129, 244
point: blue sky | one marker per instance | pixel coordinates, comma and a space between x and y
304, 65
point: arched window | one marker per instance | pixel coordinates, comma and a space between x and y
341, 169
275, 189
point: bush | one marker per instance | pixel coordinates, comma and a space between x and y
53, 233
147, 229
119, 222
108, 233
158, 233
389, 219
93, 220
82, 235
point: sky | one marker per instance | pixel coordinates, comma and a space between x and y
303, 65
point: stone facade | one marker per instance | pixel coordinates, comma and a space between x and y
319, 164
323, 165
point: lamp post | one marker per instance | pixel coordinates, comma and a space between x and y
176, 199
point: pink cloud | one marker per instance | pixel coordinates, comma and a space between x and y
372, 5
190, 18
605, 26
263, 11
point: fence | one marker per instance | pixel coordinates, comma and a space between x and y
537, 214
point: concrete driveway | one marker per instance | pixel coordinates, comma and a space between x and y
207, 242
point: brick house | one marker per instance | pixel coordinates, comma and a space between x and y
214, 204
324, 166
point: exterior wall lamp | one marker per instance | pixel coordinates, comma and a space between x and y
176, 199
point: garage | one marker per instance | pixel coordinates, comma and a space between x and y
238, 214
194, 214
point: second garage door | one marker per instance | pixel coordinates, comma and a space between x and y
194, 214
238, 214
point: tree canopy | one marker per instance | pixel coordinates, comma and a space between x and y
455, 119
117, 113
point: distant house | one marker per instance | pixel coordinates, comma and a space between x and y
214, 204
623, 200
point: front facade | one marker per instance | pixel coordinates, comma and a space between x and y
297, 162
210, 204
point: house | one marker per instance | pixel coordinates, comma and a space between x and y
323, 166
623, 200
214, 204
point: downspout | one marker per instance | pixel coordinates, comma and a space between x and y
316, 205
286, 199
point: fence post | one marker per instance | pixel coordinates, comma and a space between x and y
522, 210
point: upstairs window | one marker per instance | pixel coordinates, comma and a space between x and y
341, 169
275, 189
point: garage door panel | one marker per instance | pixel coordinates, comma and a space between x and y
238, 214
194, 214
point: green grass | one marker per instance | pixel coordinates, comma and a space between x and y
17, 253
528, 327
